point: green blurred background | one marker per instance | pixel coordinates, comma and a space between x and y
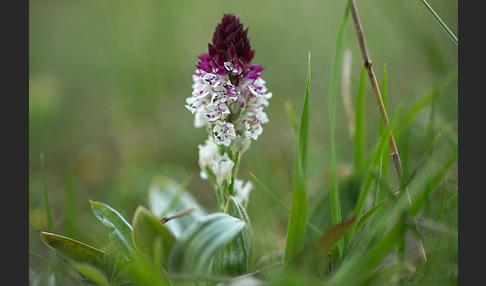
108, 82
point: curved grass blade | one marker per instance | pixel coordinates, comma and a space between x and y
121, 236
73, 250
194, 249
298, 213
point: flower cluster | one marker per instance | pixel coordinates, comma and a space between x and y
229, 94
228, 99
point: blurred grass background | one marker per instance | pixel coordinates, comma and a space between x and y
108, 82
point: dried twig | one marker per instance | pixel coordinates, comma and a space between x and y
176, 215
384, 117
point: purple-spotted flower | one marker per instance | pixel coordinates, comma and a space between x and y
229, 94
228, 100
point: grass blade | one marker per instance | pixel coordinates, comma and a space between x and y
70, 202
360, 138
421, 199
361, 264
272, 194
298, 213
292, 119
441, 23
333, 85
46, 195
383, 171
279, 201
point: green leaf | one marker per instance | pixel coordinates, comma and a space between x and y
235, 258
166, 196
150, 234
298, 213
73, 250
194, 249
121, 236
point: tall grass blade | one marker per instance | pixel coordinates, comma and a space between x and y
70, 202
333, 86
269, 192
383, 173
360, 138
46, 195
292, 119
441, 23
298, 213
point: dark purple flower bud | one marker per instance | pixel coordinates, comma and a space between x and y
230, 44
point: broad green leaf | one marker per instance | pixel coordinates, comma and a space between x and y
150, 234
166, 197
73, 250
92, 273
194, 249
235, 257
298, 213
121, 236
